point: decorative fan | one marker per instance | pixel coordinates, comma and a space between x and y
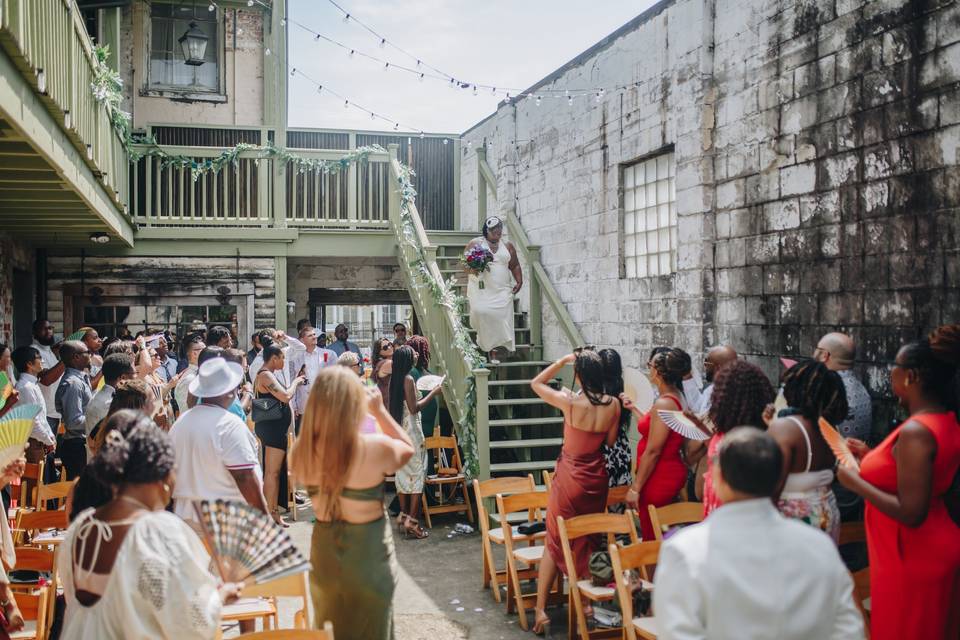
838, 444
6, 388
429, 383
77, 335
637, 387
247, 545
779, 404
684, 425
15, 428
788, 363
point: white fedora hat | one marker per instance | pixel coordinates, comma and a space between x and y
216, 377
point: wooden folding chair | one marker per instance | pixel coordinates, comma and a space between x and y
458, 481
488, 536
54, 491
610, 524
635, 556
31, 479
29, 523
41, 560
548, 478
529, 557
35, 607
663, 518
293, 634
294, 586
617, 495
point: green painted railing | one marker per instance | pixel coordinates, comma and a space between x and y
48, 41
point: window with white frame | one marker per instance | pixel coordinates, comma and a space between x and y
649, 217
168, 71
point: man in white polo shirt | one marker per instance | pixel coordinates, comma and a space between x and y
216, 453
53, 369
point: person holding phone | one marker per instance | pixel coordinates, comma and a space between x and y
307, 363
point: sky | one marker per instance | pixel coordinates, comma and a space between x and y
502, 43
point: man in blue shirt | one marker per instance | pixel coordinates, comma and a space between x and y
168, 364
341, 345
71, 400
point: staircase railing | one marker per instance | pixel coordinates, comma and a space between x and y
539, 282
438, 308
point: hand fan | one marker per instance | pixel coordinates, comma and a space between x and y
838, 445
5, 389
247, 545
684, 425
638, 388
15, 428
779, 404
428, 383
77, 335
787, 363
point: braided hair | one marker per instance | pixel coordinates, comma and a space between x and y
135, 451
741, 391
672, 365
816, 391
936, 360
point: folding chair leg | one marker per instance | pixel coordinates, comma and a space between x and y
466, 501
425, 508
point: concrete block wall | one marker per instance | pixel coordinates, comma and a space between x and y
817, 146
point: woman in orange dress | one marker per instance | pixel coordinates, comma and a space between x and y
913, 542
661, 471
590, 420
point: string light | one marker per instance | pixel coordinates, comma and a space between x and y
249, 3
538, 101
346, 18
383, 42
386, 67
474, 89
570, 101
293, 72
266, 51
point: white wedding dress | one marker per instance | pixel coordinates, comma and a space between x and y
491, 308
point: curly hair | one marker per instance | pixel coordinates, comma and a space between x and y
741, 391
672, 365
136, 452
816, 391
936, 360
422, 346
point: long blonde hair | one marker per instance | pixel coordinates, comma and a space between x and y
329, 433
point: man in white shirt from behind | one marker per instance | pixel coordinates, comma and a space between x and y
192, 352
746, 571
215, 451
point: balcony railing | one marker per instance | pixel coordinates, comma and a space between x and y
48, 41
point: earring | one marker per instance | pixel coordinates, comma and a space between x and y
166, 487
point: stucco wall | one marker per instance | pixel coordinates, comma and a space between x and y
817, 183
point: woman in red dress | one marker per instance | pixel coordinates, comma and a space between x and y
913, 542
590, 419
661, 471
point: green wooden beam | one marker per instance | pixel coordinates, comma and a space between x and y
280, 292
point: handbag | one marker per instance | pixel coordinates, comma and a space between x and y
266, 409
531, 528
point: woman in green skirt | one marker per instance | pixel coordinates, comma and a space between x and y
354, 569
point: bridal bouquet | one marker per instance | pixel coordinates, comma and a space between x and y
477, 259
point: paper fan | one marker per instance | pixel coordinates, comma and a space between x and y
638, 388
684, 425
838, 445
779, 404
15, 428
77, 335
429, 383
5, 389
788, 363
247, 545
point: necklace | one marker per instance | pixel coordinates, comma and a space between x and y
133, 500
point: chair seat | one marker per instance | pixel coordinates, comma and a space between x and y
646, 625
444, 479
497, 535
594, 592
529, 554
246, 608
866, 604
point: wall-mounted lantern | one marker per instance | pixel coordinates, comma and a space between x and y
194, 45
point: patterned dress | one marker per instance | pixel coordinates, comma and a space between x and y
411, 476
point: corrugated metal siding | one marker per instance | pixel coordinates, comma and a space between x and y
317, 140
197, 137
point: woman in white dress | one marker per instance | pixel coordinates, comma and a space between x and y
130, 569
405, 405
491, 292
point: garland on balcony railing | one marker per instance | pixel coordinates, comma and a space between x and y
444, 294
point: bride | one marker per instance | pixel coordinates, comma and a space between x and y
491, 292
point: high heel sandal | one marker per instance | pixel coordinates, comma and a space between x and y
401, 518
544, 628
412, 528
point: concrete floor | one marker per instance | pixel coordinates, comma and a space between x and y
433, 574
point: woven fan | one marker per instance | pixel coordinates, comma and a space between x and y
15, 428
5, 389
637, 387
77, 335
428, 383
838, 444
684, 425
247, 545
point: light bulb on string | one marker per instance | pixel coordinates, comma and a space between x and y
446, 140
249, 3
266, 51
570, 101
283, 22
293, 72
211, 7
346, 17
494, 91
351, 53
396, 126
418, 64
316, 38
373, 116
421, 77
598, 96
474, 89
346, 104
452, 83
422, 135
383, 42
538, 101
319, 88
386, 67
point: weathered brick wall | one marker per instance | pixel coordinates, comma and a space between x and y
817, 182
304, 274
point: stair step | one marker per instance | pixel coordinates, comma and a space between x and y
507, 402
519, 381
526, 422
518, 329
532, 443
520, 363
523, 466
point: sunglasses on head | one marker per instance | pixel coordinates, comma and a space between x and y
586, 347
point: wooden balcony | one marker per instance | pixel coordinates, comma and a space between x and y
63, 169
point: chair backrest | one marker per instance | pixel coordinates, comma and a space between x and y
33, 606
53, 491
293, 634
617, 495
33, 559
633, 556
674, 514
32, 521
445, 442
594, 523
533, 502
294, 586
547, 478
852, 532
490, 488
31, 471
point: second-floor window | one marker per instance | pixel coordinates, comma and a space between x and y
649, 221
168, 71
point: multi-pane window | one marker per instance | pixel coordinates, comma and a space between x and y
168, 22
116, 320
649, 217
